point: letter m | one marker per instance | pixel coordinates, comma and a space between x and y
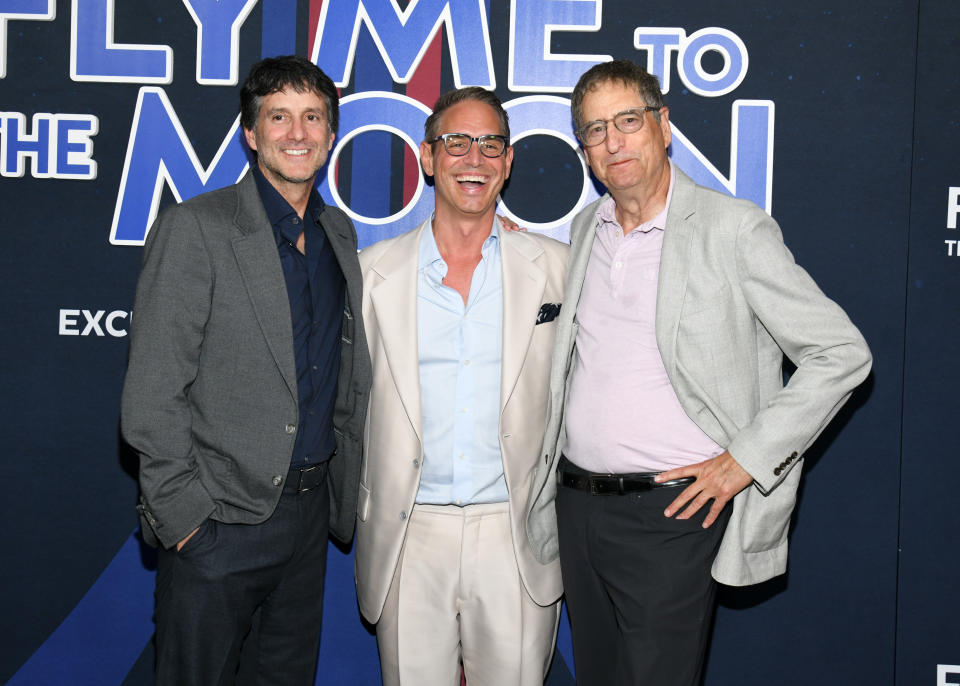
159, 153
402, 37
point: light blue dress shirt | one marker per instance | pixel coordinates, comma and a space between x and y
460, 356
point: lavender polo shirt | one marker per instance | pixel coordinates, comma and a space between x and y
622, 414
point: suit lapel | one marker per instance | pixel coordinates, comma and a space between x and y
343, 241
393, 295
582, 234
256, 251
674, 267
523, 286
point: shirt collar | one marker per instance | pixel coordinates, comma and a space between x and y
279, 211
607, 217
429, 253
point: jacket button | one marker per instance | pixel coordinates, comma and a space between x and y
290, 428
416, 464
403, 515
776, 471
277, 480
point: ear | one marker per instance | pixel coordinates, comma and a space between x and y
426, 158
251, 138
509, 161
333, 137
665, 126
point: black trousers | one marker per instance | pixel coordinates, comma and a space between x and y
208, 592
638, 587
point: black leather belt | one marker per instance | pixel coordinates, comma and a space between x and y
614, 484
306, 479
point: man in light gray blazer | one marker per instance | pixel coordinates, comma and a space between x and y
248, 453
673, 450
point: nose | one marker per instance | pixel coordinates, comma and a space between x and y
297, 129
614, 139
474, 156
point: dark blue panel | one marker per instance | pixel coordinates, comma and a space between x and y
928, 630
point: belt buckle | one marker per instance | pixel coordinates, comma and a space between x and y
306, 470
599, 485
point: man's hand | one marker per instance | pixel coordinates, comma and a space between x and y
184, 541
508, 224
719, 478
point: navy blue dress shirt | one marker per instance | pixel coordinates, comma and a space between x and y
315, 287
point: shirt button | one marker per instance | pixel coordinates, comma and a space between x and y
466, 363
290, 428
296, 220
314, 367
462, 456
463, 410
277, 480
619, 264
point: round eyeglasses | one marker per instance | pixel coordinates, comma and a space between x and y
629, 121
458, 144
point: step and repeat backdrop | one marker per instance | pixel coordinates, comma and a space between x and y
841, 118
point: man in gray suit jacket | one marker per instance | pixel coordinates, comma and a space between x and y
248, 454
673, 449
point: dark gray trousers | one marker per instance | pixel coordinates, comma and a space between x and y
208, 592
638, 587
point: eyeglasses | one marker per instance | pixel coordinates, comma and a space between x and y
629, 121
458, 144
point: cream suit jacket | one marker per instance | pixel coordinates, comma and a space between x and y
731, 302
534, 268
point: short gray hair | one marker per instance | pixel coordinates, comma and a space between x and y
623, 72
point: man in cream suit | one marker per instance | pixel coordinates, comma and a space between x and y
248, 454
673, 449
460, 319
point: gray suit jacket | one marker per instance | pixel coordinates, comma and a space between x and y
210, 397
731, 302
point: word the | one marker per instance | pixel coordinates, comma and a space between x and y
59, 145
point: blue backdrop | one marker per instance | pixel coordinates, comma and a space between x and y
841, 118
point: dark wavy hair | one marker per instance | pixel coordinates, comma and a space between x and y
275, 74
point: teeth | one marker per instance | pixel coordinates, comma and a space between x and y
471, 178
296, 152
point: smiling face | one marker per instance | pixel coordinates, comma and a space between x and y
466, 186
292, 138
627, 162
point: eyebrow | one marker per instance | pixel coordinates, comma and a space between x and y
286, 110
637, 108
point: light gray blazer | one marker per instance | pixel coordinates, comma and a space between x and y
210, 396
731, 302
